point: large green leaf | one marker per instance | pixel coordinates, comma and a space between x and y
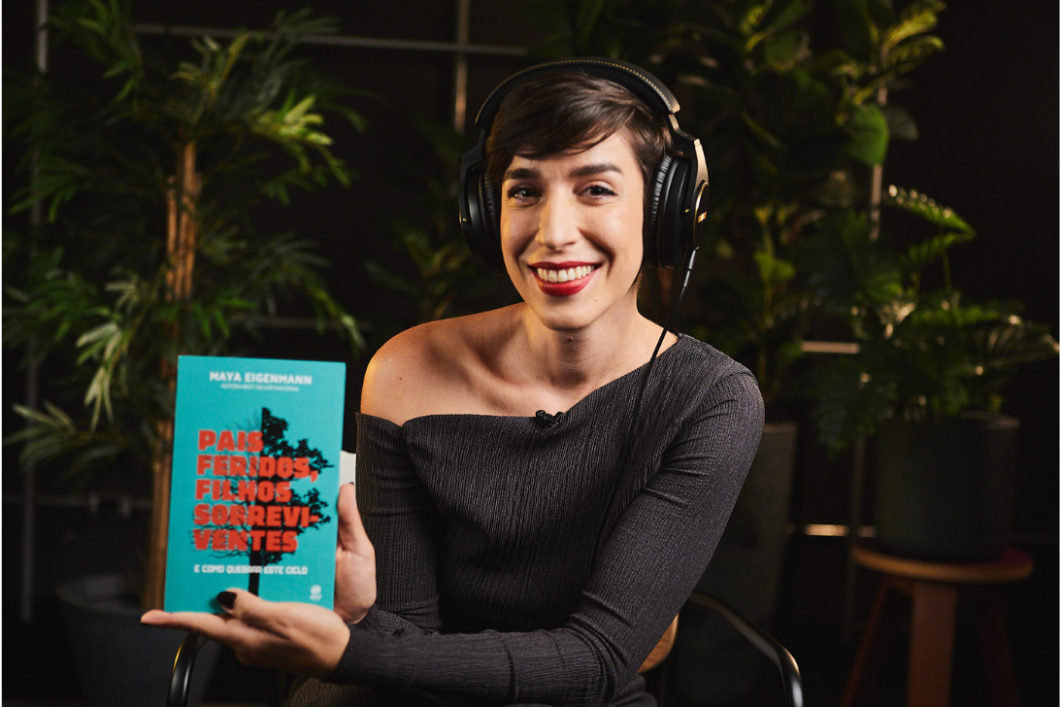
869, 135
918, 17
845, 267
858, 31
920, 255
782, 51
900, 124
788, 13
910, 54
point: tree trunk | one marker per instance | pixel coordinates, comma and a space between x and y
181, 232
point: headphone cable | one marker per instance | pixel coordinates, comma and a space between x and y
627, 455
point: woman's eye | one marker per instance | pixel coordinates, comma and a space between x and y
599, 190
522, 193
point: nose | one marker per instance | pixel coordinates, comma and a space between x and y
557, 225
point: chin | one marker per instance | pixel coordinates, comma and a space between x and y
572, 317
578, 312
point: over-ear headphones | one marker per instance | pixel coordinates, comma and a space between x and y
677, 201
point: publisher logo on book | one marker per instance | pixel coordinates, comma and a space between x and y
316, 593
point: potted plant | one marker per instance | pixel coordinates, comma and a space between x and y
927, 380
150, 175
793, 129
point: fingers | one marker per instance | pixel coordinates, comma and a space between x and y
297, 637
287, 635
209, 625
351, 529
247, 608
256, 612
355, 588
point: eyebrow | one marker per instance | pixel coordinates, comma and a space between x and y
583, 171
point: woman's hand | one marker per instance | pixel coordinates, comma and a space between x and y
300, 638
291, 636
354, 561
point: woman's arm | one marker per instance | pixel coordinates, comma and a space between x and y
646, 569
400, 519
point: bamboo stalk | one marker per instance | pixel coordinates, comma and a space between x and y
154, 591
181, 239
172, 228
188, 222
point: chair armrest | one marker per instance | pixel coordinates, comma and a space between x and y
180, 680
766, 644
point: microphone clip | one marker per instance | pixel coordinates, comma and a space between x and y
546, 420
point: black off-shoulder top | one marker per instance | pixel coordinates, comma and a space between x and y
523, 560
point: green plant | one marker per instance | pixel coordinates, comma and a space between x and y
149, 177
794, 130
444, 280
766, 117
925, 353
790, 129
633, 30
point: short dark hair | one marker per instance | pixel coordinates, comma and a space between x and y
556, 112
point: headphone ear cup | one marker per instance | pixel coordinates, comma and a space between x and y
653, 207
480, 220
491, 208
491, 227
674, 227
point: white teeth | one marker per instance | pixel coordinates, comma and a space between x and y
567, 275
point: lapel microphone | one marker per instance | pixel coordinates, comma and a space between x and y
546, 420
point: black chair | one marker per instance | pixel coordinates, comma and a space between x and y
766, 644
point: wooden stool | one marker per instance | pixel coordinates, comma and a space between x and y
935, 588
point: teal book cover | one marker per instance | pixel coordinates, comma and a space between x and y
256, 454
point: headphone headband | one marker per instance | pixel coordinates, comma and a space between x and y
630, 76
678, 186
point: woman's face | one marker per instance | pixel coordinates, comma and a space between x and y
571, 232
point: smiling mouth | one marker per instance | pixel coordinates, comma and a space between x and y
553, 275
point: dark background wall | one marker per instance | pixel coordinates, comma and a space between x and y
988, 118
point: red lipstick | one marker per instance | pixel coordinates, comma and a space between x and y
562, 289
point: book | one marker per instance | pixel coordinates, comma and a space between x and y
256, 458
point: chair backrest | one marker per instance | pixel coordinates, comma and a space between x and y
662, 648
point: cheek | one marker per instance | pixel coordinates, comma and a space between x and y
627, 235
512, 244
509, 235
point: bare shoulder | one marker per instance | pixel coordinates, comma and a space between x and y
400, 371
423, 370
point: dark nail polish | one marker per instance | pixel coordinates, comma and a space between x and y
227, 600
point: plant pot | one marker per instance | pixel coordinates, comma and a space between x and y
713, 663
119, 661
946, 491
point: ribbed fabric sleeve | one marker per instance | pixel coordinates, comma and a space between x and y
522, 563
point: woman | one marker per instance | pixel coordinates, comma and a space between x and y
508, 555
